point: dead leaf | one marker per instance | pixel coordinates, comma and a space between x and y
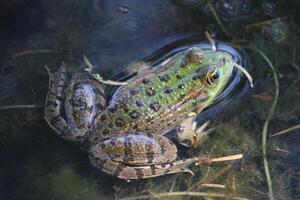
263, 96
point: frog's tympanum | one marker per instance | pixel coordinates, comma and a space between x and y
125, 137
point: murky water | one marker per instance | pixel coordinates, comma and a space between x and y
36, 164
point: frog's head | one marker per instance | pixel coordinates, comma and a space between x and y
215, 70
217, 73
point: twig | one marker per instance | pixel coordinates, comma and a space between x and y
213, 185
19, 107
281, 150
29, 52
245, 72
184, 193
259, 24
286, 130
211, 41
266, 124
220, 159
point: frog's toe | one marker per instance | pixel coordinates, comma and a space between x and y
190, 135
201, 133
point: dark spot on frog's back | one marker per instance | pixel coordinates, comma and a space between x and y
164, 78
146, 81
120, 122
124, 107
139, 103
178, 76
180, 86
168, 90
155, 106
133, 92
150, 92
134, 114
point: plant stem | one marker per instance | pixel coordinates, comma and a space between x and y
266, 124
184, 193
19, 107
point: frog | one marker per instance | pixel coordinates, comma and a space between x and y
125, 135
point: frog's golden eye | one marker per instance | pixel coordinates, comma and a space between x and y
212, 76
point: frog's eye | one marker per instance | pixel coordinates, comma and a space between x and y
212, 76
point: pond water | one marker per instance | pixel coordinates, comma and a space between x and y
115, 34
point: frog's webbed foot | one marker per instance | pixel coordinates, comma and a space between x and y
188, 134
53, 107
138, 155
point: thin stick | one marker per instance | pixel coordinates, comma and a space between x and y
259, 24
184, 193
211, 41
29, 52
245, 72
213, 185
19, 107
220, 159
286, 130
266, 125
282, 150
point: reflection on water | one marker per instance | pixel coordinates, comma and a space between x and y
36, 164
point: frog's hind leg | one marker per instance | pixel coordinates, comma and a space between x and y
128, 172
138, 155
54, 101
71, 115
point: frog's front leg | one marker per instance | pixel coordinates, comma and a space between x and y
138, 155
189, 134
70, 112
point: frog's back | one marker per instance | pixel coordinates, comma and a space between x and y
153, 101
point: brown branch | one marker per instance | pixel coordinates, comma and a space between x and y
185, 193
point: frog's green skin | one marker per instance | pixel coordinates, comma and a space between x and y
125, 137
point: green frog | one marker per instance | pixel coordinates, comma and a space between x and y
125, 137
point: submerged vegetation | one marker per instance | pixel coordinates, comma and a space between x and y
263, 123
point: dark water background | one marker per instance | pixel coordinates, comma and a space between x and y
36, 164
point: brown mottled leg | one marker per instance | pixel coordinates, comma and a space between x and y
54, 101
138, 155
128, 172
